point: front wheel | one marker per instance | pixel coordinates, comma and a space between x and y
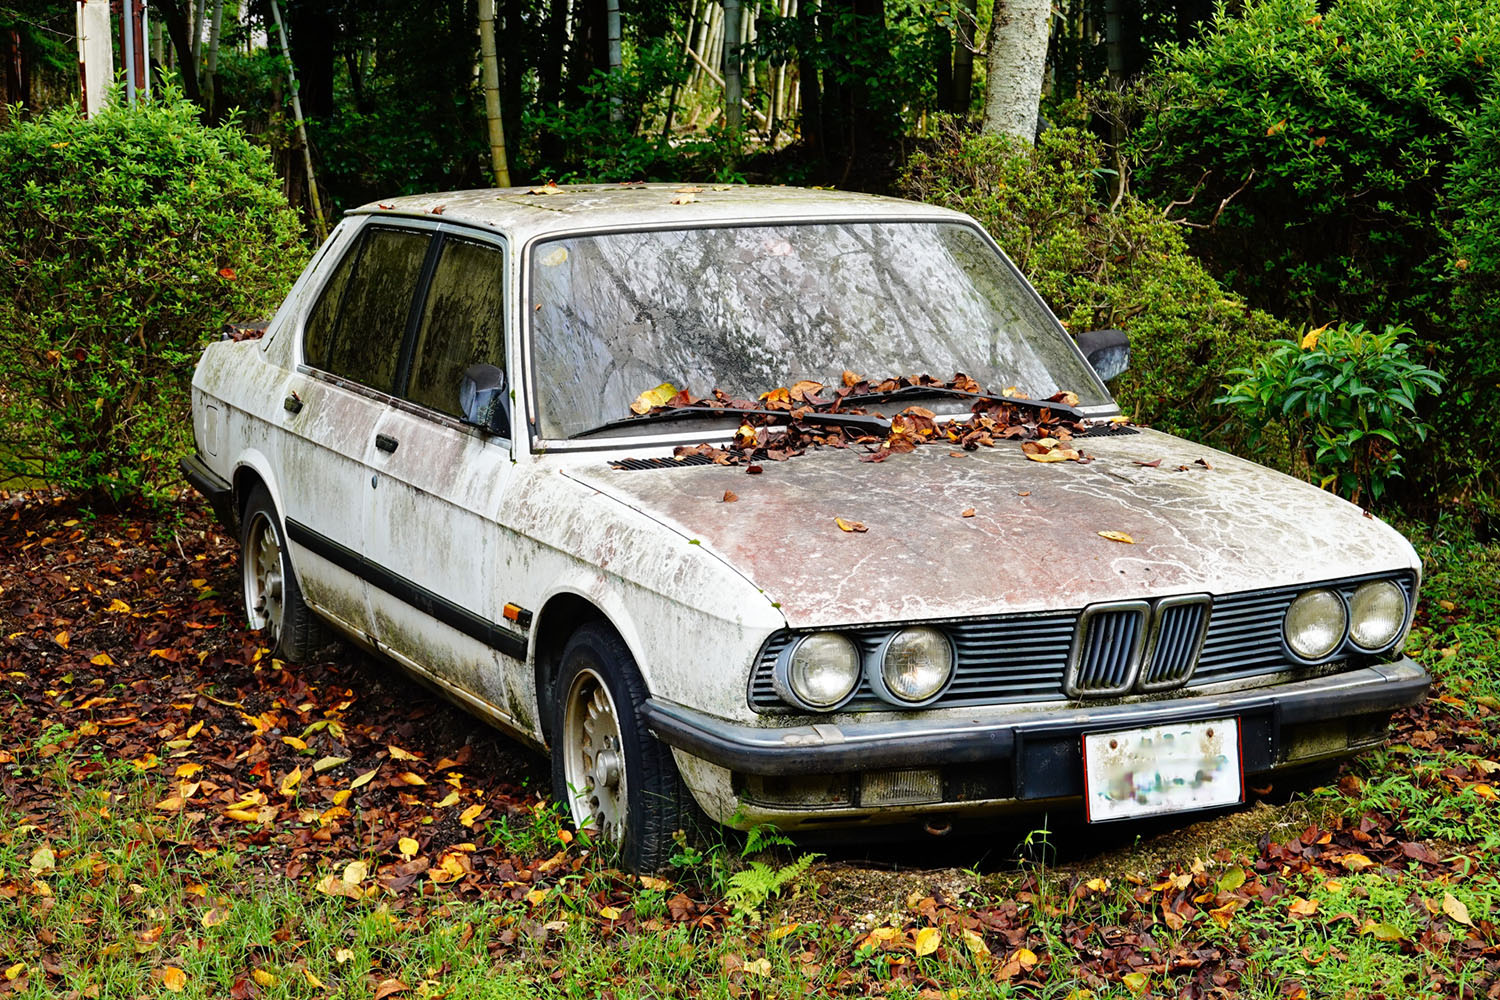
608, 772
273, 601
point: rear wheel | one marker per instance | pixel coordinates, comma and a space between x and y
273, 601
608, 772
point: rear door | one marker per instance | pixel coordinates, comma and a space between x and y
431, 519
350, 358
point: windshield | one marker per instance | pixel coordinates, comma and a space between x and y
750, 308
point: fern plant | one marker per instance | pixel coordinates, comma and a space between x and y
753, 887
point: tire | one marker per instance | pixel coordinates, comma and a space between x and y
273, 601
608, 772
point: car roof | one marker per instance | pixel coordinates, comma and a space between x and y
523, 213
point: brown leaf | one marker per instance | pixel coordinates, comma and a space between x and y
389, 987
968, 513
849, 525
730, 496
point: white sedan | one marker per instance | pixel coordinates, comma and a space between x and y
786, 506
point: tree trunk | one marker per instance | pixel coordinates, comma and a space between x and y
210, 75
1016, 60
177, 15
809, 94
732, 113
320, 229
616, 59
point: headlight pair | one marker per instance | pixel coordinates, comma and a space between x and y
1319, 621
820, 672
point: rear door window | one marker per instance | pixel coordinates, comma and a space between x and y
356, 328
462, 323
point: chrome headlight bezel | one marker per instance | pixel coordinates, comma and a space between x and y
876, 668
1340, 629
1403, 622
789, 677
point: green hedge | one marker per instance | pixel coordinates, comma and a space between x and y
1100, 267
127, 240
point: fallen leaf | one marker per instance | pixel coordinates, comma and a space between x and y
399, 754
609, 913
355, 872
174, 979
730, 496
970, 512
469, 815
42, 860
928, 940
1117, 536
263, 977
758, 967
1382, 932
1303, 907
363, 779
407, 846
103, 660
1455, 908
849, 525
654, 883
343, 955
652, 398
312, 980
288, 786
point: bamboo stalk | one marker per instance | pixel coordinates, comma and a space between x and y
495, 126
320, 228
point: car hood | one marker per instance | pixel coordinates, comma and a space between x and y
1200, 522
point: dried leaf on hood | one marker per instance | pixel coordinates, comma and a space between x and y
849, 525
652, 398
1117, 536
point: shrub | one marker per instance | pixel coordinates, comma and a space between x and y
1099, 267
1347, 396
128, 238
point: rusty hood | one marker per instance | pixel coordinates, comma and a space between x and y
1201, 522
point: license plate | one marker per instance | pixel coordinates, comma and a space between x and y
1162, 769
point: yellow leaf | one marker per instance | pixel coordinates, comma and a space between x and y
42, 860
398, 754
451, 799
1026, 957
407, 846
341, 796
363, 779
1097, 884
187, 770
147, 762
651, 398
1382, 932
1455, 908
291, 781
411, 779
172, 803
355, 872
469, 815
343, 955
1303, 907
609, 913
928, 940
294, 742
193, 730
174, 979
119, 607
328, 763
1310, 340
781, 931
1135, 981
264, 978
658, 884
1117, 536
976, 944
1356, 862
103, 660
243, 815
760, 966
535, 896
849, 525
312, 980
61, 639
1056, 455
1483, 791
214, 917
14, 972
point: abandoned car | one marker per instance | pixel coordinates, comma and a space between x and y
787, 506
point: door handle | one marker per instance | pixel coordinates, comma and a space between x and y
385, 442
292, 403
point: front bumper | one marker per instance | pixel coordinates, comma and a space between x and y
1040, 750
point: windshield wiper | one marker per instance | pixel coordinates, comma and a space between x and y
942, 390
859, 421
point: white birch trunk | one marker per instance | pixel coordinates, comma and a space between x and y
1016, 62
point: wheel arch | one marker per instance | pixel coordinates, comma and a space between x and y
562, 614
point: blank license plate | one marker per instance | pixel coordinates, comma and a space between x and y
1162, 769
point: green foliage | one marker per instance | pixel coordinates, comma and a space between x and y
1341, 124
1348, 397
1340, 160
751, 888
601, 137
1101, 267
127, 240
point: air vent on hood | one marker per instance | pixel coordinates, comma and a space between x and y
636, 464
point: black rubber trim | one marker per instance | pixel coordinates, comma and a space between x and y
399, 587
218, 490
928, 741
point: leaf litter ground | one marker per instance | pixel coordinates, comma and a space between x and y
134, 696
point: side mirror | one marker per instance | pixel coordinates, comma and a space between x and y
1107, 350
484, 400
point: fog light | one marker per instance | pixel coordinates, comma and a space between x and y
900, 788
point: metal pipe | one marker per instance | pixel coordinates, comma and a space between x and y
127, 48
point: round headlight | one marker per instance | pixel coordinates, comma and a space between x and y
916, 665
819, 672
1376, 613
1316, 624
